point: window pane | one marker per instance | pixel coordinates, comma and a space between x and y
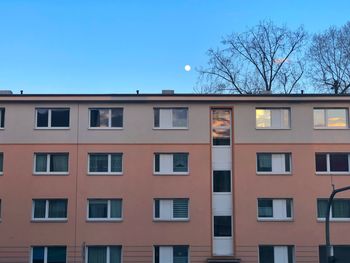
180, 208
179, 117
265, 208
60, 118
116, 208
98, 162
56, 255
221, 126
97, 254
156, 118
42, 117
180, 162
41, 162
115, 254
221, 136
156, 254
341, 208
321, 162
339, 162
180, 254
287, 162
156, 162
39, 208
222, 226
38, 254
116, 165
319, 118
264, 162
2, 118
266, 254
59, 162
117, 118
221, 118
57, 208
285, 118
321, 208
103, 118
222, 181
1, 162
98, 208
336, 118
263, 118
289, 208
94, 118
156, 208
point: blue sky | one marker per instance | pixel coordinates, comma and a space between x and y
105, 46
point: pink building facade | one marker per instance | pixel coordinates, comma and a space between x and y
172, 178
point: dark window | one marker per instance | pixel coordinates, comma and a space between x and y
156, 162
180, 254
39, 208
98, 162
42, 118
2, 117
106, 118
156, 118
38, 255
57, 208
266, 254
60, 118
287, 161
156, 254
156, 208
1, 163
264, 162
341, 254
341, 208
265, 208
222, 181
180, 208
339, 162
322, 208
180, 162
117, 118
321, 162
56, 255
98, 209
222, 226
289, 208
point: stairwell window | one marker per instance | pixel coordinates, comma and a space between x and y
106, 118
170, 118
52, 118
105, 163
275, 209
50, 254
103, 254
171, 163
272, 118
51, 163
171, 209
273, 163
166, 254
2, 118
327, 118
276, 254
332, 163
221, 127
105, 209
49, 209
222, 226
340, 209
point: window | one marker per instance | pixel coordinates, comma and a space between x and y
340, 209
0, 209
105, 163
340, 252
106, 118
105, 209
171, 118
52, 254
104, 254
171, 209
222, 181
1, 163
273, 163
52, 118
2, 118
53, 163
171, 163
166, 254
221, 127
330, 118
272, 118
222, 226
276, 254
275, 209
49, 209
332, 162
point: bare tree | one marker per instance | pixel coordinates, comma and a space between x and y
264, 58
329, 57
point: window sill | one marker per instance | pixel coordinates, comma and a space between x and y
275, 220
103, 220
105, 174
53, 128
106, 128
171, 220
330, 128
177, 128
333, 173
50, 220
273, 174
171, 174
334, 220
51, 174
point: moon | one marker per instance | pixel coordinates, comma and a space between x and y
187, 68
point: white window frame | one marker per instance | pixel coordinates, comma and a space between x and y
275, 172
271, 109
48, 160
172, 247
331, 218
275, 218
47, 218
2, 114
45, 252
171, 218
325, 116
109, 209
109, 172
172, 161
49, 119
171, 127
329, 164
108, 256
109, 118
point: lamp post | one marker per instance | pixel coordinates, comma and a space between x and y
330, 256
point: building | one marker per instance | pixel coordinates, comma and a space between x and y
172, 178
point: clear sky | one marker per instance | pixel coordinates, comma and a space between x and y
105, 46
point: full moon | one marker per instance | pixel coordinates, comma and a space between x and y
187, 68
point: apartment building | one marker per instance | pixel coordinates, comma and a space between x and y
172, 178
